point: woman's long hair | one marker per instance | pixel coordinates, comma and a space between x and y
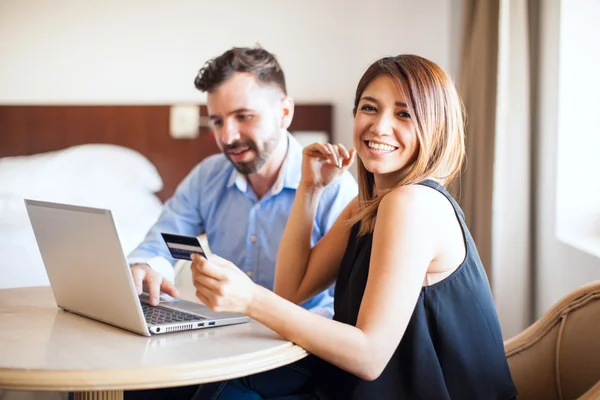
438, 115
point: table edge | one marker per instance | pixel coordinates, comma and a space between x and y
151, 377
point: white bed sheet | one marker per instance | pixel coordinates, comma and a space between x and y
124, 182
20, 260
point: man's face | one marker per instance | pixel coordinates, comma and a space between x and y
246, 120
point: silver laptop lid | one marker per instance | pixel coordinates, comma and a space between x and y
85, 263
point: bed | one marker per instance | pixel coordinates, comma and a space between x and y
118, 157
96, 175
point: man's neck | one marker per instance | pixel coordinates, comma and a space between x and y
263, 179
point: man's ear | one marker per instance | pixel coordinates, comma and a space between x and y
287, 112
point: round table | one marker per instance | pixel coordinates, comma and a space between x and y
45, 348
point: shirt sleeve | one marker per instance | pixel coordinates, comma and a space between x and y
181, 215
336, 197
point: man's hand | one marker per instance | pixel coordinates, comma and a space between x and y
155, 283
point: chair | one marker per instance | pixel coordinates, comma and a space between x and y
558, 356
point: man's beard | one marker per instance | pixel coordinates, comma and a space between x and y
261, 157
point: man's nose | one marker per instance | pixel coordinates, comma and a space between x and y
229, 133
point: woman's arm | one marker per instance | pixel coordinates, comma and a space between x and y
302, 272
403, 248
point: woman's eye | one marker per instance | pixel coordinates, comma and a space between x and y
368, 107
403, 114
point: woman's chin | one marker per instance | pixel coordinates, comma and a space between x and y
377, 168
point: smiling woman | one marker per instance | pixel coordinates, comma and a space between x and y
414, 314
401, 125
381, 150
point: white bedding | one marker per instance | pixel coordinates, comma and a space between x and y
93, 175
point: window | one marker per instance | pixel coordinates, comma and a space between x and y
578, 142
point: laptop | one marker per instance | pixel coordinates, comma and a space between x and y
89, 274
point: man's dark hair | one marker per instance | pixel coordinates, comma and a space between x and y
257, 61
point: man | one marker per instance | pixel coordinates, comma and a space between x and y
241, 198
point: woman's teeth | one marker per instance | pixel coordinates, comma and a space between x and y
381, 147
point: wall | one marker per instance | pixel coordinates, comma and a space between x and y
149, 51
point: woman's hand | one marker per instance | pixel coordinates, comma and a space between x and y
220, 285
322, 163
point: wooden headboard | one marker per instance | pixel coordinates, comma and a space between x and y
32, 129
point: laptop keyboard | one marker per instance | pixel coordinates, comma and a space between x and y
159, 315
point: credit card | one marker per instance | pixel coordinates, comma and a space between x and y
182, 247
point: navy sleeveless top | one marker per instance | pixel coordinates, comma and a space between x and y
452, 347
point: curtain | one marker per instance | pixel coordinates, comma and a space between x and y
495, 190
477, 85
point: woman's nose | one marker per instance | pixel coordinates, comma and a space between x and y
382, 125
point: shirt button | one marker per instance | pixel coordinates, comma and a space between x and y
257, 206
250, 274
253, 239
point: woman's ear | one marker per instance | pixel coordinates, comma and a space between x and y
287, 112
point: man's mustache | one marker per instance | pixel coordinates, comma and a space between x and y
237, 145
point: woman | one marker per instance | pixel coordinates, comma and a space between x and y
414, 315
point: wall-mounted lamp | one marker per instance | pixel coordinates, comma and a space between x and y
184, 121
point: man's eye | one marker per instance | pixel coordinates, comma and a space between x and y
217, 123
244, 117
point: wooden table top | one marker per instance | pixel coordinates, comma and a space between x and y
45, 348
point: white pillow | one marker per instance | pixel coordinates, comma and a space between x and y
88, 167
21, 263
93, 175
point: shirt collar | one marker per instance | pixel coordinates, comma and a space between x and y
289, 174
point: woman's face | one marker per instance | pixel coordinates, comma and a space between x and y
385, 136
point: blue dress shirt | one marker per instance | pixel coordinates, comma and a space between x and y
217, 200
